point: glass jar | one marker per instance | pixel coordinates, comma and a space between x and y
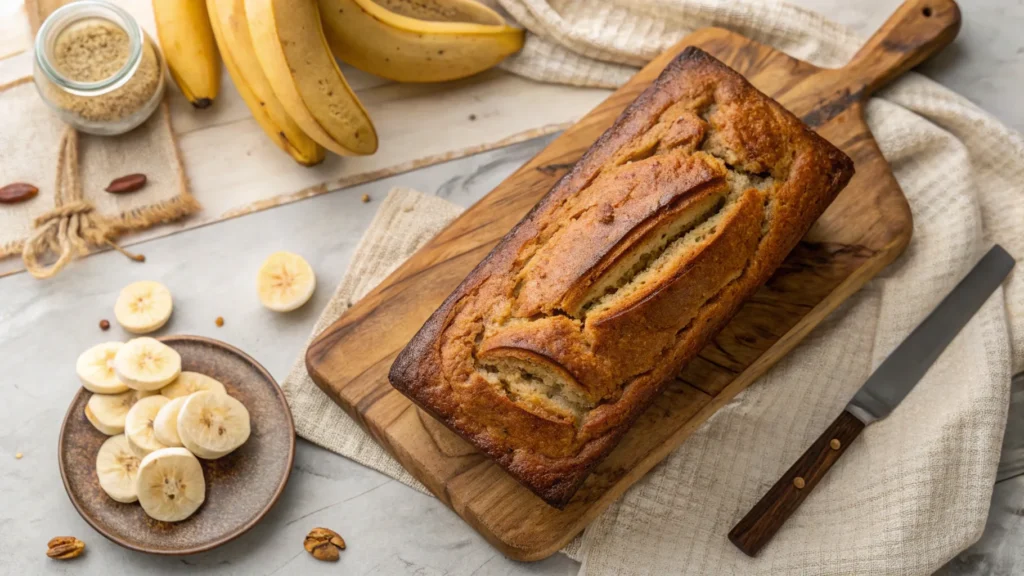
97, 69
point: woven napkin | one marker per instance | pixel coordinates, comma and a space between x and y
72, 214
404, 222
915, 488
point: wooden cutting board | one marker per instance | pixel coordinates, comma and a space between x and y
867, 227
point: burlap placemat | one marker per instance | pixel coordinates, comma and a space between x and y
73, 215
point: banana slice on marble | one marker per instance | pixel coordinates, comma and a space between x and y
212, 425
147, 364
95, 368
285, 282
165, 425
191, 382
138, 425
143, 307
107, 412
117, 468
170, 484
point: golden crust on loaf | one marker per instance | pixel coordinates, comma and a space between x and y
551, 348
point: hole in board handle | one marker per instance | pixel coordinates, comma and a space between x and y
927, 11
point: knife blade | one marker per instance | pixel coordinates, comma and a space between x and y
877, 397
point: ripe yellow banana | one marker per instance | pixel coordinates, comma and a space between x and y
444, 10
188, 47
289, 41
231, 29
418, 40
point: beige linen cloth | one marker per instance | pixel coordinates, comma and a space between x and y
915, 488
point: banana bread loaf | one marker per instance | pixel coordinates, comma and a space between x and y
551, 348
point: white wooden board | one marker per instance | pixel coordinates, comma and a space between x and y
234, 169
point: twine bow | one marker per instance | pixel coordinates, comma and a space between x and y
73, 224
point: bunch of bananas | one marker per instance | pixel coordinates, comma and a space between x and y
281, 56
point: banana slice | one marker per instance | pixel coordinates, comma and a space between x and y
170, 484
190, 383
165, 425
212, 425
147, 364
138, 425
143, 307
107, 412
117, 468
285, 282
95, 368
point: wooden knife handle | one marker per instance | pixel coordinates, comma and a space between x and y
771, 512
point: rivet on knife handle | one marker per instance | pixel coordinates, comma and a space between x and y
765, 518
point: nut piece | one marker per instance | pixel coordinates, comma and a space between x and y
323, 544
126, 184
17, 192
366, 198
65, 547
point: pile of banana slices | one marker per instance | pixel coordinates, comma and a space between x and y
159, 420
281, 56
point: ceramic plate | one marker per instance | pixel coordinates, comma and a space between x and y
240, 487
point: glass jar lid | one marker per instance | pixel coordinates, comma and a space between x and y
72, 13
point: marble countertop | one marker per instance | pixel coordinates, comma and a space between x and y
390, 529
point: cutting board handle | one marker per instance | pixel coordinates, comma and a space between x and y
915, 32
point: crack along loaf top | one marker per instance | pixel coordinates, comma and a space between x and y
549, 350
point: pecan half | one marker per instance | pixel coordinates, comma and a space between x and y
126, 184
323, 544
64, 547
17, 192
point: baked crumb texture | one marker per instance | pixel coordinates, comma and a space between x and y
554, 345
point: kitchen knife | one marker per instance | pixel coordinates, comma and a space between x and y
882, 391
